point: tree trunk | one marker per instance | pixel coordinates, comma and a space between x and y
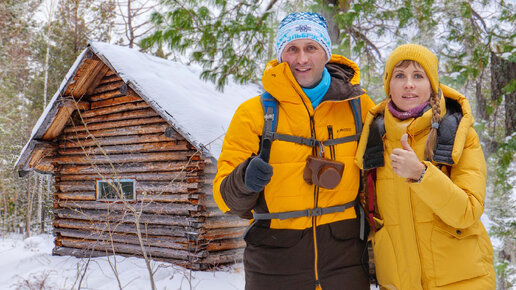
502, 73
28, 213
333, 7
39, 207
130, 24
47, 53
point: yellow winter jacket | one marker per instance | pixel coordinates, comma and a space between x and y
287, 191
430, 235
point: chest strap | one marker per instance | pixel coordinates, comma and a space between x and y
313, 142
318, 211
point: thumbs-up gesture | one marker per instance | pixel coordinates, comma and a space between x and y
404, 161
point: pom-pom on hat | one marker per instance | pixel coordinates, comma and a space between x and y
415, 52
303, 25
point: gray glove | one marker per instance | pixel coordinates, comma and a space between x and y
258, 174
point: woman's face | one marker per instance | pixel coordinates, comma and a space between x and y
409, 86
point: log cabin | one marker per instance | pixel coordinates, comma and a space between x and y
132, 141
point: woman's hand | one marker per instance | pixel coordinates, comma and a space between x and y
404, 161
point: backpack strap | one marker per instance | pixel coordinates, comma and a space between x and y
270, 110
371, 194
357, 114
373, 155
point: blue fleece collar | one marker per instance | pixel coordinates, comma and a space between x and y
317, 93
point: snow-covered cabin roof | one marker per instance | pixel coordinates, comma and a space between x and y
194, 108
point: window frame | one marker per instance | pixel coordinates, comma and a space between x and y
112, 180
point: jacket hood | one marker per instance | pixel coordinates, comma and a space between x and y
460, 136
279, 81
465, 123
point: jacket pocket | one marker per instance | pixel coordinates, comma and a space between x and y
385, 260
277, 238
346, 229
456, 253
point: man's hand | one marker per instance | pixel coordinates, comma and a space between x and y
258, 174
404, 161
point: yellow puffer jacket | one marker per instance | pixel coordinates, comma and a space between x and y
287, 191
430, 235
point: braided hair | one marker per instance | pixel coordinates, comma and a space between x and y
436, 117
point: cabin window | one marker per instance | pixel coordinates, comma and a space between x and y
115, 189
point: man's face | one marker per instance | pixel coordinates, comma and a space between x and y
306, 59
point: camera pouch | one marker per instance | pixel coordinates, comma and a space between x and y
323, 172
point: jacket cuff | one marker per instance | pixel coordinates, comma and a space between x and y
235, 194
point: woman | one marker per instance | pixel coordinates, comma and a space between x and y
426, 179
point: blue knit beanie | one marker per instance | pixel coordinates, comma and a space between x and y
303, 25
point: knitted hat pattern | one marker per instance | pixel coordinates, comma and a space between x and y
303, 25
415, 52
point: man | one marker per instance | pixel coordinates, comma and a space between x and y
305, 232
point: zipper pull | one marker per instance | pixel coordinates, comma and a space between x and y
321, 149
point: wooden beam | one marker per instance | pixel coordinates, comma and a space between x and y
223, 257
115, 109
105, 95
132, 168
88, 77
41, 150
60, 119
117, 131
116, 101
166, 198
110, 77
113, 124
225, 245
116, 140
143, 186
76, 195
99, 72
111, 73
178, 243
121, 158
132, 249
181, 145
182, 209
135, 114
156, 230
226, 221
108, 86
127, 217
151, 176
226, 233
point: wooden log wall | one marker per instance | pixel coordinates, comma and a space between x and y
118, 135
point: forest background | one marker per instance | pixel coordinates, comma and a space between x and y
474, 40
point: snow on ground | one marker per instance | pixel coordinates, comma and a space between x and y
29, 264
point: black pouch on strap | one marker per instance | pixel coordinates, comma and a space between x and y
373, 156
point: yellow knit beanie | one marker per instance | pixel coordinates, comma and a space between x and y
417, 53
